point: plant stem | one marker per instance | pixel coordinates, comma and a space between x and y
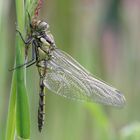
22, 106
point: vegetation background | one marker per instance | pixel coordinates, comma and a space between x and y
104, 36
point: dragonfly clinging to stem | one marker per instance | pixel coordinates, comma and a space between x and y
63, 75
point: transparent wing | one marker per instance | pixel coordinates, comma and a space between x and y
68, 78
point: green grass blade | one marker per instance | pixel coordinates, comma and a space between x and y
4, 34
22, 105
10, 130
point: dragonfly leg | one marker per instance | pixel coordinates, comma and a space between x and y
26, 42
34, 57
29, 63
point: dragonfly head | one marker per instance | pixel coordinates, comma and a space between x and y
42, 26
39, 27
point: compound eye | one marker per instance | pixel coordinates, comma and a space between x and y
43, 25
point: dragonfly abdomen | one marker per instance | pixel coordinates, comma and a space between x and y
41, 109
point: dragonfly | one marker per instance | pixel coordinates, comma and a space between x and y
62, 74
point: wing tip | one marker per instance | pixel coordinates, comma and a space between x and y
121, 99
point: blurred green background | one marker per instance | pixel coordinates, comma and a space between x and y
104, 36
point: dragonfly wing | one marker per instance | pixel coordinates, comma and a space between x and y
66, 77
